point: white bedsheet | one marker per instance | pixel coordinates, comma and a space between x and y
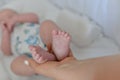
101, 11
102, 46
104, 12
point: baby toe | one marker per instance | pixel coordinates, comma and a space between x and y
42, 60
54, 32
32, 48
37, 56
59, 32
66, 35
62, 33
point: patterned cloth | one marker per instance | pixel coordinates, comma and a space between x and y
24, 35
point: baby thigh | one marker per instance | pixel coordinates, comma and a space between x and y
46, 29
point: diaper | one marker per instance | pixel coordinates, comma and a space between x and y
25, 35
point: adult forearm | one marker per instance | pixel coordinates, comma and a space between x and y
108, 68
104, 68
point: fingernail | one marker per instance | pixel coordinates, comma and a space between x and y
26, 62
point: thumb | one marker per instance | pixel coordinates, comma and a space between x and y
34, 65
46, 69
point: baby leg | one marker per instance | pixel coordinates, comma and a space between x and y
46, 29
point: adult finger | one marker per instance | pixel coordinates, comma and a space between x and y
46, 69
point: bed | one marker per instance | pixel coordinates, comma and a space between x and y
92, 41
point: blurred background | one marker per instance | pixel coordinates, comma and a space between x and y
104, 13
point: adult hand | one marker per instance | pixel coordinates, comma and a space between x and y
54, 69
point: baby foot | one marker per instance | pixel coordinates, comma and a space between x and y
40, 55
61, 44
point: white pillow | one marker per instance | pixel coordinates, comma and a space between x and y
82, 30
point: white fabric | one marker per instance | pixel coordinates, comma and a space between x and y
104, 12
25, 35
47, 11
82, 30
